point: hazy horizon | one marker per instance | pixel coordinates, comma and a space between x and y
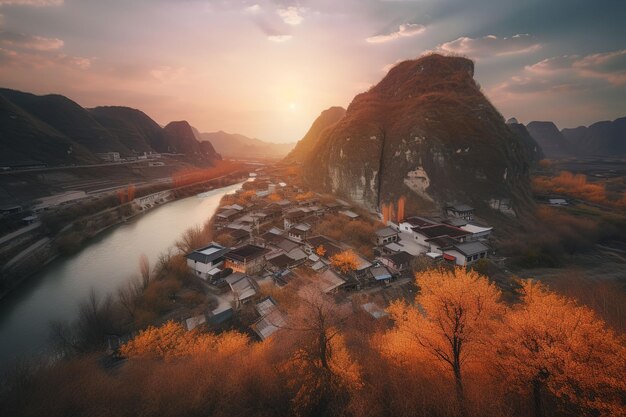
267, 69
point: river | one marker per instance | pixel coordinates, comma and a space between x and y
103, 264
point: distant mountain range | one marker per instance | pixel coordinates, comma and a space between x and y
602, 139
54, 130
234, 145
424, 132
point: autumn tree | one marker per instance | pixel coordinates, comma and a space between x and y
193, 238
551, 343
320, 250
345, 261
322, 373
452, 319
173, 340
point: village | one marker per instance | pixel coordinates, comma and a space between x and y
271, 236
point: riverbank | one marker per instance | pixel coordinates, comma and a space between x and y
104, 265
37, 254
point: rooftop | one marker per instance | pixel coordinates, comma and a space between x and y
471, 248
418, 221
246, 253
208, 254
386, 232
380, 273
441, 230
460, 207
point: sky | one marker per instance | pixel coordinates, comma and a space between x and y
266, 69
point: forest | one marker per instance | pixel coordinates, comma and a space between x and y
460, 347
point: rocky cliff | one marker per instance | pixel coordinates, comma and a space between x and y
326, 119
425, 132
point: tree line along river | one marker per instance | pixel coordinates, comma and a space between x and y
102, 265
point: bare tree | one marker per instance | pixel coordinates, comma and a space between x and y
144, 269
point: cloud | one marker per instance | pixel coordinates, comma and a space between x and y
31, 59
279, 38
491, 45
35, 3
568, 73
291, 15
255, 8
20, 40
607, 66
404, 30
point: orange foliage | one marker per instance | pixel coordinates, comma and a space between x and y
551, 342
274, 197
576, 186
321, 250
194, 175
345, 261
401, 204
453, 323
305, 196
172, 340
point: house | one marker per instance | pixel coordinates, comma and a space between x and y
477, 232
280, 262
195, 321
466, 253
203, 260
226, 216
400, 261
557, 202
330, 247
349, 214
248, 259
329, 281
392, 247
293, 217
109, 156
462, 211
269, 324
238, 235
241, 286
422, 234
299, 232
386, 235
408, 224
381, 274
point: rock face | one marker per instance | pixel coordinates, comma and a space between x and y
326, 119
550, 139
534, 153
425, 132
600, 139
180, 138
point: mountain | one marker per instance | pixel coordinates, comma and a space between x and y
135, 129
26, 139
234, 145
68, 118
534, 153
548, 136
326, 119
55, 130
604, 138
425, 132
